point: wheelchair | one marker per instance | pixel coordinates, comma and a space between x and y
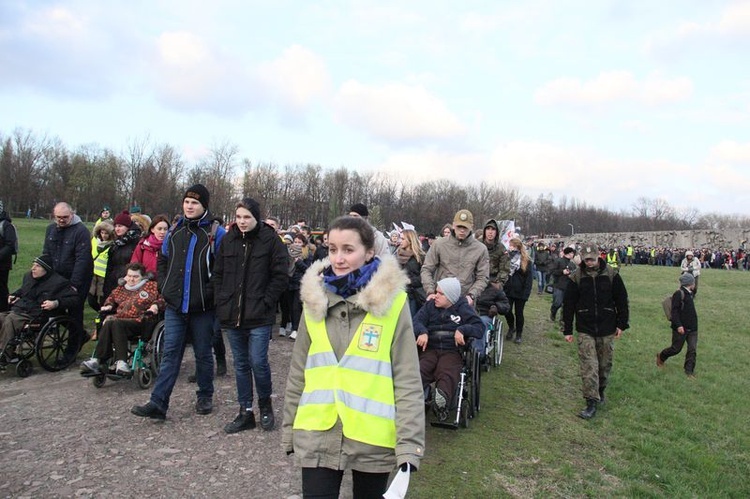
45, 337
494, 340
465, 404
144, 357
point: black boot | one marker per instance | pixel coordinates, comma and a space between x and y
245, 420
511, 333
602, 399
553, 314
266, 414
518, 339
589, 411
221, 366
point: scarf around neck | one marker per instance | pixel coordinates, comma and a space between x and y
350, 284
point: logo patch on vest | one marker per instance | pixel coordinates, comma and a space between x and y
369, 338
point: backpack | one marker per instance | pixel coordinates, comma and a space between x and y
3, 225
666, 304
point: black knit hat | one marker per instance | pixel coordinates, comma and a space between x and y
251, 205
199, 193
359, 209
44, 261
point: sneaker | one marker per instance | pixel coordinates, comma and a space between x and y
282, 331
293, 336
441, 401
90, 366
149, 411
204, 406
288, 326
122, 368
245, 420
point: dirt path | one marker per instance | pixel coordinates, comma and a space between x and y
62, 437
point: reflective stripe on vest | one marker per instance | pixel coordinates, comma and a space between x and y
359, 387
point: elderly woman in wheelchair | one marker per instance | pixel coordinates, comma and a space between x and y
444, 327
133, 302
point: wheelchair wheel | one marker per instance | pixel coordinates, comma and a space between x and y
144, 377
99, 380
24, 368
465, 413
497, 354
52, 341
476, 377
157, 349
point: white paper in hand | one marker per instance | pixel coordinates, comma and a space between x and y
399, 485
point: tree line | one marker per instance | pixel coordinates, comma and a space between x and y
37, 171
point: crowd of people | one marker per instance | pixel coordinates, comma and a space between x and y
378, 322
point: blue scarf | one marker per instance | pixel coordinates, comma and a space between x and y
349, 284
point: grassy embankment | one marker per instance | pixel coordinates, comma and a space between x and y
660, 434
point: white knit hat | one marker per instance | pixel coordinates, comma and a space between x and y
451, 288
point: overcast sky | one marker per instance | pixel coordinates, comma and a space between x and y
601, 100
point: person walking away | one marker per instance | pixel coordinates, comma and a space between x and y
184, 268
354, 397
561, 272
250, 274
518, 289
598, 301
684, 326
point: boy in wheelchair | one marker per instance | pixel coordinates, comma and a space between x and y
133, 302
43, 292
441, 327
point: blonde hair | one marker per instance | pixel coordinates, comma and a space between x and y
414, 245
525, 260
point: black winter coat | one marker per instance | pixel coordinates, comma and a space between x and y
250, 273
187, 252
70, 248
683, 310
493, 296
120, 253
8, 238
519, 284
51, 286
599, 304
458, 317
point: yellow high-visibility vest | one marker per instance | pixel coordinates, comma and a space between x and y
358, 388
100, 258
612, 259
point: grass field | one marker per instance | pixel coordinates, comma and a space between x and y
659, 435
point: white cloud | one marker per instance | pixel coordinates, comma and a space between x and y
732, 152
296, 78
614, 87
191, 74
396, 112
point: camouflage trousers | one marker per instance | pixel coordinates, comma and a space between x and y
595, 356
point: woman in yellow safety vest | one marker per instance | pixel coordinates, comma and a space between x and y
354, 396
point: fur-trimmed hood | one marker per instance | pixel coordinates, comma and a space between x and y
376, 297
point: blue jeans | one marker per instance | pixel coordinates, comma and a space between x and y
250, 352
177, 326
541, 280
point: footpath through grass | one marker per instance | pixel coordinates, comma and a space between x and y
659, 434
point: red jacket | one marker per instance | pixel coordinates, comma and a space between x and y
147, 253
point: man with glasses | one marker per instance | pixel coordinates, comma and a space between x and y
68, 242
597, 298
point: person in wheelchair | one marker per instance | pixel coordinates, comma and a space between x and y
441, 327
490, 303
132, 301
42, 292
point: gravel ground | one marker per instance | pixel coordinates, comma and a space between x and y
62, 437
